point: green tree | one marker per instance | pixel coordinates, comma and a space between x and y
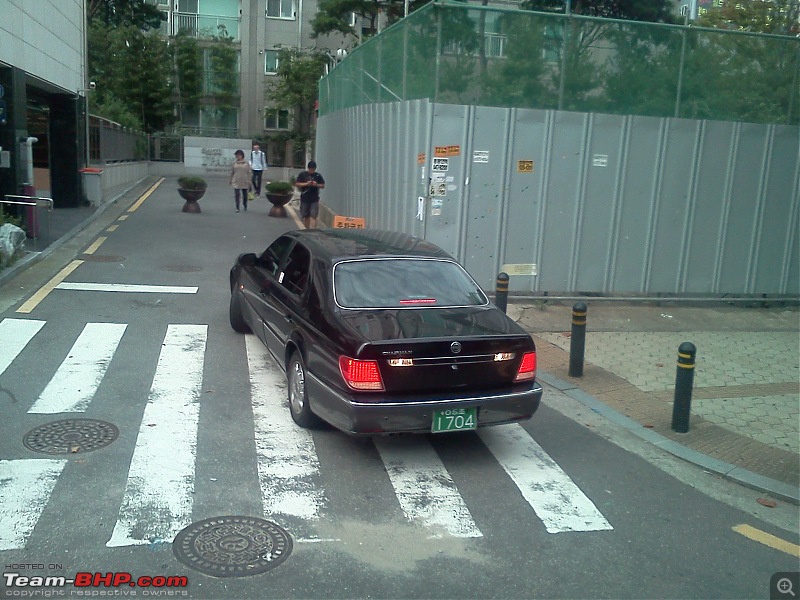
296, 86
334, 16
132, 70
778, 17
118, 13
188, 72
634, 10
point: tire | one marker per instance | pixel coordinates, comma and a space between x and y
299, 406
235, 314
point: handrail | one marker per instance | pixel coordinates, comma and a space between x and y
48, 201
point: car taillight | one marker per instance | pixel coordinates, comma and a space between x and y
527, 368
361, 374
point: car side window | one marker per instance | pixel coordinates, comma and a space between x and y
272, 257
295, 271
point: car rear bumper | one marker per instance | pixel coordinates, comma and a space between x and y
345, 412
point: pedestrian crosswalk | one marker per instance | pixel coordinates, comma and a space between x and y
300, 485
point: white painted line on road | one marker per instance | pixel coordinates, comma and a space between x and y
125, 287
77, 379
25, 487
48, 287
427, 493
288, 466
158, 496
14, 336
558, 502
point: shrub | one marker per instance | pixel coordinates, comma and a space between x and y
279, 187
192, 182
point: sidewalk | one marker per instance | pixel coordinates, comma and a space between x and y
745, 412
745, 416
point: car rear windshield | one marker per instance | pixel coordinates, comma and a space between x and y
404, 283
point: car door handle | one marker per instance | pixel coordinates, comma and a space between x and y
288, 318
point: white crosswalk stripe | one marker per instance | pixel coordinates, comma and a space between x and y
14, 336
558, 502
25, 487
425, 489
79, 376
158, 498
288, 467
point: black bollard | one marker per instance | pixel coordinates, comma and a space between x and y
501, 291
578, 340
684, 380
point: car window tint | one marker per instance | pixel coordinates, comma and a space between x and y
273, 255
295, 272
404, 283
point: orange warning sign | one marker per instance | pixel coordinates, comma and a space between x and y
349, 222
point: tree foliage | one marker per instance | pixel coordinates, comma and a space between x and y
296, 85
778, 17
121, 13
132, 70
334, 16
654, 11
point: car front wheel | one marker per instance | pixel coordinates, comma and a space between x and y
238, 323
298, 395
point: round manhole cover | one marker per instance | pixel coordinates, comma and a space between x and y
232, 546
70, 436
101, 258
183, 268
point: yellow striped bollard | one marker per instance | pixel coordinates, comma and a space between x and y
577, 342
684, 380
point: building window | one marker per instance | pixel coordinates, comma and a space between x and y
280, 9
276, 118
270, 62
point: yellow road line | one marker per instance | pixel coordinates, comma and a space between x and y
91, 249
122, 217
767, 539
146, 195
112, 228
40, 295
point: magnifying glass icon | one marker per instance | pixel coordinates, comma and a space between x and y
784, 585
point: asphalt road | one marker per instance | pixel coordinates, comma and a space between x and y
564, 506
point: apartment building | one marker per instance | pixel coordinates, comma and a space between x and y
259, 29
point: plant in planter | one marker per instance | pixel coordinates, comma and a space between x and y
279, 193
191, 188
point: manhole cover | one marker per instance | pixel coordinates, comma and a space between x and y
232, 546
183, 268
70, 436
101, 258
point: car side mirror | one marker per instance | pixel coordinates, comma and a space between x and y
248, 260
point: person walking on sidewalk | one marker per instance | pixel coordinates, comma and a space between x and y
258, 162
310, 182
241, 176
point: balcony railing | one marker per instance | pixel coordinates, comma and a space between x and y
205, 25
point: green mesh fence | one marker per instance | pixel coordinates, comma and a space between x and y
464, 54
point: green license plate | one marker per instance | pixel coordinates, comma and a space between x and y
455, 419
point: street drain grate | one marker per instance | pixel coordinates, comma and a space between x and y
183, 268
232, 546
101, 258
70, 436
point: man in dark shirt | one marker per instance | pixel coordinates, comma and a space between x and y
310, 183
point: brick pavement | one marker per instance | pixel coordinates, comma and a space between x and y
746, 396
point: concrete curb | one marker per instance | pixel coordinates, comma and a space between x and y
35, 257
777, 489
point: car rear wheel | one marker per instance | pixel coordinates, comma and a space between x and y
235, 314
298, 395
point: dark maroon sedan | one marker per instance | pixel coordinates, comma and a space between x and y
381, 332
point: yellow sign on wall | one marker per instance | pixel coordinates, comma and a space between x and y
524, 166
349, 222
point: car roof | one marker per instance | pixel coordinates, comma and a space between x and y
340, 244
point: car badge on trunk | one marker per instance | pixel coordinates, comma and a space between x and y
455, 347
